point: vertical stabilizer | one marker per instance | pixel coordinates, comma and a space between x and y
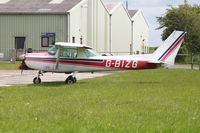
167, 52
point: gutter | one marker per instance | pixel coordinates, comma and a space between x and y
33, 13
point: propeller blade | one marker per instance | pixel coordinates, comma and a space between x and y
23, 66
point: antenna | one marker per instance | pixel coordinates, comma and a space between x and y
127, 4
185, 2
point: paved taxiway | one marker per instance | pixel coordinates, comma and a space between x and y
14, 77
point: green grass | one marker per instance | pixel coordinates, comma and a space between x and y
153, 101
8, 66
152, 49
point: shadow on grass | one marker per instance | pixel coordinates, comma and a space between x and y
56, 84
49, 84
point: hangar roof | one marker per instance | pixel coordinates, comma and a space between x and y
37, 6
110, 5
132, 12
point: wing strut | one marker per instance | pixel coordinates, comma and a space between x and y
57, 58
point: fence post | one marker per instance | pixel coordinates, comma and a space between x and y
13, 56
192, 61
199, 61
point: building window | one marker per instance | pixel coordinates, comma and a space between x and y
81, 40
45, 42
73, 39
48, 39
20, 42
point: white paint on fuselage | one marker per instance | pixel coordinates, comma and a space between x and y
51, 66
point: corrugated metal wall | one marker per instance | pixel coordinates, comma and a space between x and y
30, 26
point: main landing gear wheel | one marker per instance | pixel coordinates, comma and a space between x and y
70, 80
37, 80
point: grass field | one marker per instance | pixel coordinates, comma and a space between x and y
8, 66
151, 101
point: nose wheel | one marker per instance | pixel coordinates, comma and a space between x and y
37, 80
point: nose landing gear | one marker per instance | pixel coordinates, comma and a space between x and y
37, 80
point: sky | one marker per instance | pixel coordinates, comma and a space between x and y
152, 9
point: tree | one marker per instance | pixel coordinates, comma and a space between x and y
186, 18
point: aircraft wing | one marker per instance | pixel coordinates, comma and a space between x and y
70, 45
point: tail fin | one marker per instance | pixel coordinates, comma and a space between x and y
167, 52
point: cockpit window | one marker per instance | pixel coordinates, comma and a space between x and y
90, 53
52, 50
73, 52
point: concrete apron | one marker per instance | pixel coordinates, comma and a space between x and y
14, 77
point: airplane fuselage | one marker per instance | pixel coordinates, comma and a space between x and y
47, 63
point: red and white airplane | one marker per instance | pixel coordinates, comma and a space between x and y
71, 58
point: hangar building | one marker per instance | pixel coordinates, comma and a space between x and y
38, 24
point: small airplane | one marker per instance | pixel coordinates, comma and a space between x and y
71, 58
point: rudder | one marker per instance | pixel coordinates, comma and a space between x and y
167, 52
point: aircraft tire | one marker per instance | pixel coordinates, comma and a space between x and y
37, 80
70, 80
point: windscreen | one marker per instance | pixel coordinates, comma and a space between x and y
52, 50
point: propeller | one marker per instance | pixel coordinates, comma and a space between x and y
23, 65
22, 58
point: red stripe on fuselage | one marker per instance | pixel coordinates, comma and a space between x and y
117, 64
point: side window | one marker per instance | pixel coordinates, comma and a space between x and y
90, 53
87, 53
68, 53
